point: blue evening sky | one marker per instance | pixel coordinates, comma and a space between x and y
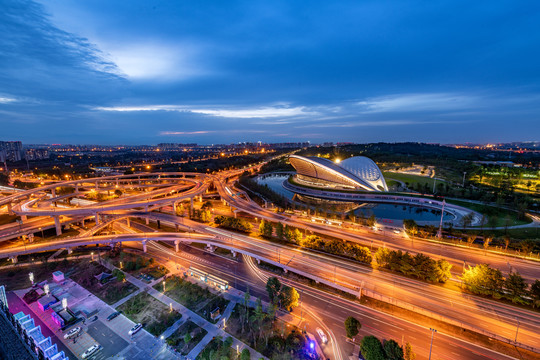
146, 71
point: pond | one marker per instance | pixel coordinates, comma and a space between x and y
381, 211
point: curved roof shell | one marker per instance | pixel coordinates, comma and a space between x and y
359, 171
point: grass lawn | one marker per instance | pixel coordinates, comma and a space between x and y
152, 313
194, 297
503, 217
176, 340
409, 178
136, 264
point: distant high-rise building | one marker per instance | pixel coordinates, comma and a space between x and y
11, 151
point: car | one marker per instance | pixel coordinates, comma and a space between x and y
322, 335
72, 333
113, 315
135, 329
91, 351
94, 318
397, 232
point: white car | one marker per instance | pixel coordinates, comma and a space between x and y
72, 333
397, 232
322, 335
91, 351
135, 329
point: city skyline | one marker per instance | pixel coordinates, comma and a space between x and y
148, 72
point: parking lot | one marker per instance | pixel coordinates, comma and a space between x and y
111, 342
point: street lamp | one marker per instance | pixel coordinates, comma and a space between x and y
433, 331
92, 253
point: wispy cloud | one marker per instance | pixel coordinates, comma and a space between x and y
6, 100
166, 133
419, 102
250, 113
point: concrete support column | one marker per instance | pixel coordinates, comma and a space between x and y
116, 182
30, 237
200, 198
53, 192
128, 223
70, 251
233, 253
191, 202
234, 211
10, 208
82, 222
144, 245
176, 245
13, 259
147, 219
96, 217
77, 187
139, 178
57, 225
259, 261
97, 185
284, 270
177, 228
24, 218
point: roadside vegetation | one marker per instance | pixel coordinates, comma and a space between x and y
186, 337
152, 313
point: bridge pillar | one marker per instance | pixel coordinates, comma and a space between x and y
97, 218
191, 202
234, 211
139, 178
31, 237
128, 223
14, 259
259, 261
97, 185
176, 245
284, 270
10, 208
116, 182
144, 245
177, 227
82, 222
200, 198
77, 187
211, 248
147, 220
53, 192
24, 218
70, 251
57, 225
233, 253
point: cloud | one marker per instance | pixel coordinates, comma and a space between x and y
262, 112
6, 100
419, 102
154, 61
165, 133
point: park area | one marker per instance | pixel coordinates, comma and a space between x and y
152, 313
139, 266
193, 296
184, 339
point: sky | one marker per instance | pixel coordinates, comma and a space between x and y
147, 71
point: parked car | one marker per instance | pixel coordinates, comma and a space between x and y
322, 335
72, 333
113, 315
135, 329
94, 318
91, 351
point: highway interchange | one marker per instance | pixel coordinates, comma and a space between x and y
40, 209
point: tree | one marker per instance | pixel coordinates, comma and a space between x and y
483, 280
535, 293
516, 285
245, 355
187, 338
118, 192
487, 241
392, 350
470, 238
443, 270
352, 325
382, 257
279, 231
289, 297
273, 287
371, 221
409, 353
266, 228
527, 246
371, 348
410, 226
